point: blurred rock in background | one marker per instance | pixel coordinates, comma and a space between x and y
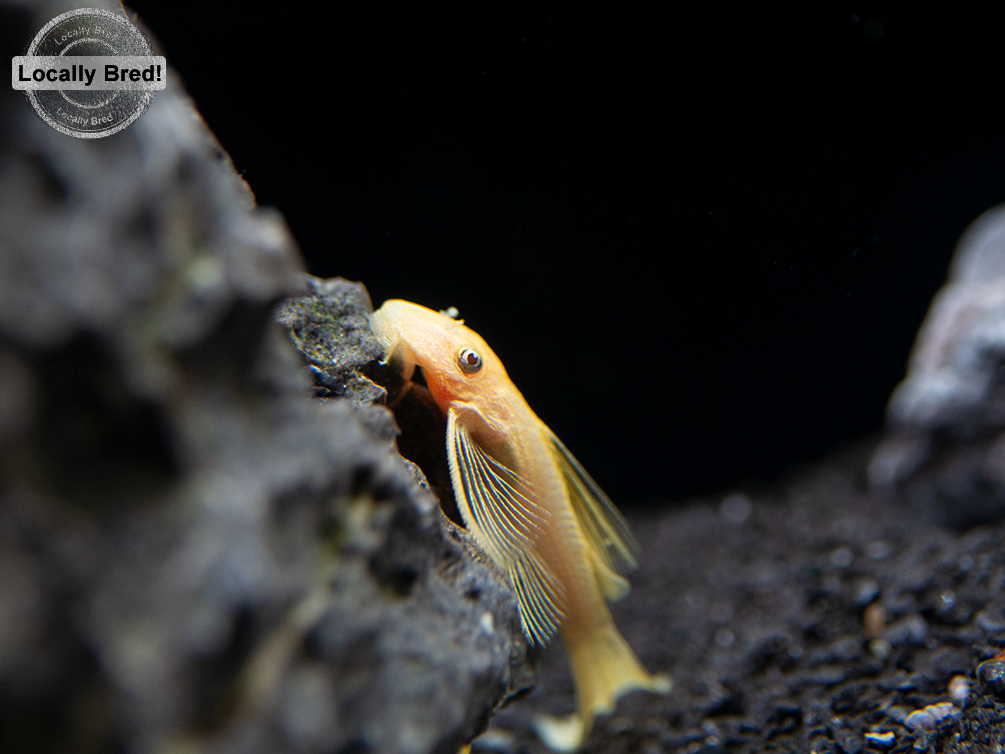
945, 447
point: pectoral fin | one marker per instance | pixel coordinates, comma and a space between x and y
605, 529
496, 507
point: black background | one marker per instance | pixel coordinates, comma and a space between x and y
702, 241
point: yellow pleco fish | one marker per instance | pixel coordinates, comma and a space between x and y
530, 506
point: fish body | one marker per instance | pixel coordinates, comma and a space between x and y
529, 505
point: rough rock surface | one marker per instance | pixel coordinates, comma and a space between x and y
946, 447
330, 329
196, 555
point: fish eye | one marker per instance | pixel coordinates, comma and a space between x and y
469, 361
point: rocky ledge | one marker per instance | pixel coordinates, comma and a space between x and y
196, 554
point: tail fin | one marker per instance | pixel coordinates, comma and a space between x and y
604, 668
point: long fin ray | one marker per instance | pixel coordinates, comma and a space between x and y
506, 523
539, 615
605, 528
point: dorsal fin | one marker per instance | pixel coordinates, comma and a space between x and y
605, 529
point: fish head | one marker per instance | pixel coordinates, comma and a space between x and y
457, 363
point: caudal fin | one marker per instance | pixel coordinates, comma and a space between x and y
604, 668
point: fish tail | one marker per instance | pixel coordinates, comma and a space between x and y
604, 668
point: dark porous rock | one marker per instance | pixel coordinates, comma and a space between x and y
196, 554
945, 447
330, 328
